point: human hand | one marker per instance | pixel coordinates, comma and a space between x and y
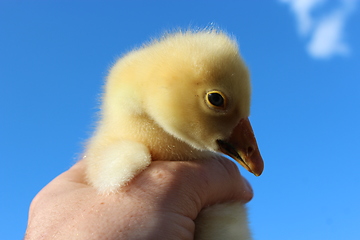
160, 203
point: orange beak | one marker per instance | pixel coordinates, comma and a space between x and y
242, 147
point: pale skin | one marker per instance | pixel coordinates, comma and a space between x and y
160, 203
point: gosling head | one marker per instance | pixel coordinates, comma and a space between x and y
196, 87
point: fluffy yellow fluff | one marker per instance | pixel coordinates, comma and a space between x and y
156, 107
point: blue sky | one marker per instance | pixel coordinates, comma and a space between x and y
304, 58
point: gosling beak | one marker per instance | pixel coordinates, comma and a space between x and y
242, 147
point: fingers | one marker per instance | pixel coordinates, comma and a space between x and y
190, 186
219, 180
166, 192
183, 186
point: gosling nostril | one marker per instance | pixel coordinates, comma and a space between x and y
249, 151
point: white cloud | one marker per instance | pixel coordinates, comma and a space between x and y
302, 10
326, 34
326, 39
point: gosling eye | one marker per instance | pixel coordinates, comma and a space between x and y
216, 99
